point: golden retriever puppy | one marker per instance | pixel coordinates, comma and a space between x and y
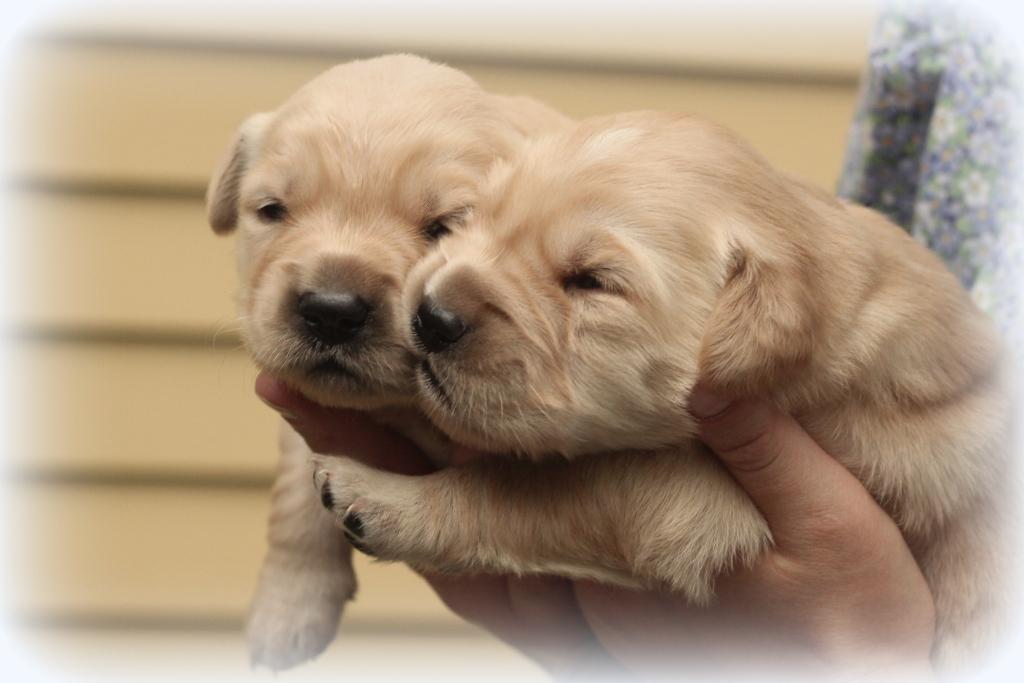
605, 271
335, 196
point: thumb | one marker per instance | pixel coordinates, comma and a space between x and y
784, 471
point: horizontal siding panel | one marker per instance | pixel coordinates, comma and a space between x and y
84, 656
140, 116
102, 261
137, 409
164, 116
152, 553
771, 36
800, 128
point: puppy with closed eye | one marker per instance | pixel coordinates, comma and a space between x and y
335, 195
601, 274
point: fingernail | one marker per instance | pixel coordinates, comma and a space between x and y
284, 412
705, 404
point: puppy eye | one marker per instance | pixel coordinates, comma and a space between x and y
435, 230
272, 212
585, 281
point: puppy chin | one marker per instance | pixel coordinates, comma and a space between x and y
439, 404
339, 393
494, 434
455, 429
335, 385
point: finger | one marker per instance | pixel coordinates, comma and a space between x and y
340, 431
555, 631
481, 599
655, 634
537, 615
548, 605
354, 434
787, 475
651, 633
513, 608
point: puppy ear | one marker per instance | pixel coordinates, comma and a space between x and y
222, 193
762, 327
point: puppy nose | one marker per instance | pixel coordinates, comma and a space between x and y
332, 318
437, 328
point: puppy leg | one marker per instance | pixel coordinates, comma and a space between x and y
307, 575
670, 520
967, 564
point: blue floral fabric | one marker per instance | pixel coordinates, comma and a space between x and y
935, 145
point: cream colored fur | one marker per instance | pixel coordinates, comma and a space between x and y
364, 158
710, 264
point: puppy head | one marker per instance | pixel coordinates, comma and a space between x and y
335, 195
601, 273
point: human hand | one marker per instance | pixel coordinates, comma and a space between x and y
839, 593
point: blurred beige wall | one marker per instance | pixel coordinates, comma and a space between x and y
139, 466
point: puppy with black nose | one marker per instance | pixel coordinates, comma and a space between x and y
335, 196
603, 272
436, 328
332, 318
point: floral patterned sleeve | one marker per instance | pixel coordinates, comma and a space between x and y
935, 145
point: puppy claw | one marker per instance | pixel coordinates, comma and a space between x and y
368, 520
355, 531
326, 497
353, 523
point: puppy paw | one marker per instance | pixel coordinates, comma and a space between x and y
295, 613
373, 508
